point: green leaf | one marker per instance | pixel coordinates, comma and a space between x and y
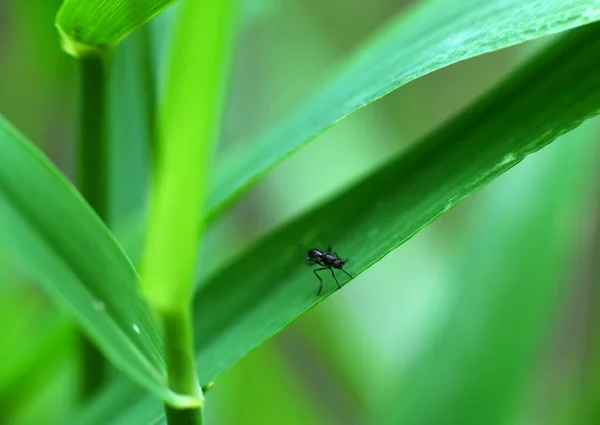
90, 27
430, 37
433, 35
505, 297
254, 298
269, 286
52, 233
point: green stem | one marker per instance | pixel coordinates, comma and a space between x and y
92, 147
92, 366
148, 77
91, 181
179, 354
183, 417
188, 128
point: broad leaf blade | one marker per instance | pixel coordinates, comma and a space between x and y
48, 229
436, 34
268, 286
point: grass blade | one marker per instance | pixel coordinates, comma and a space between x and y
374, 217
520, 265
89, 27
253, 299
436, 34
49, 230
393, 57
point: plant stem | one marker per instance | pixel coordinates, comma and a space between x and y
91, 181
91, 148
183, 417
148, 81
179, 354
92, 366
188, 125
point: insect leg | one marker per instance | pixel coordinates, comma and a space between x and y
336, 281
329, 249
320, 280
346, 272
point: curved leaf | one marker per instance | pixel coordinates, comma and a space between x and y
436, 34
92, 26
269, 285
255, 298
47, 227
433, 36
525, 240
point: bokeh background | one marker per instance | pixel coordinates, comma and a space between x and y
487, 316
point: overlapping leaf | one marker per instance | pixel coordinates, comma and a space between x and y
434, 35
505, 298
92, 26
253, 299
57, 239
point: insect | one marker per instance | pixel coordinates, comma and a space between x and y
329, 261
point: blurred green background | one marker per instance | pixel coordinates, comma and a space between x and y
486, 316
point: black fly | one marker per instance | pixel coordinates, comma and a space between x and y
329, 261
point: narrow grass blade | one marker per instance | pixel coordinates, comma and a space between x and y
434, 35
254, 298
90, 27
506, 295
52, 233
371, 219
